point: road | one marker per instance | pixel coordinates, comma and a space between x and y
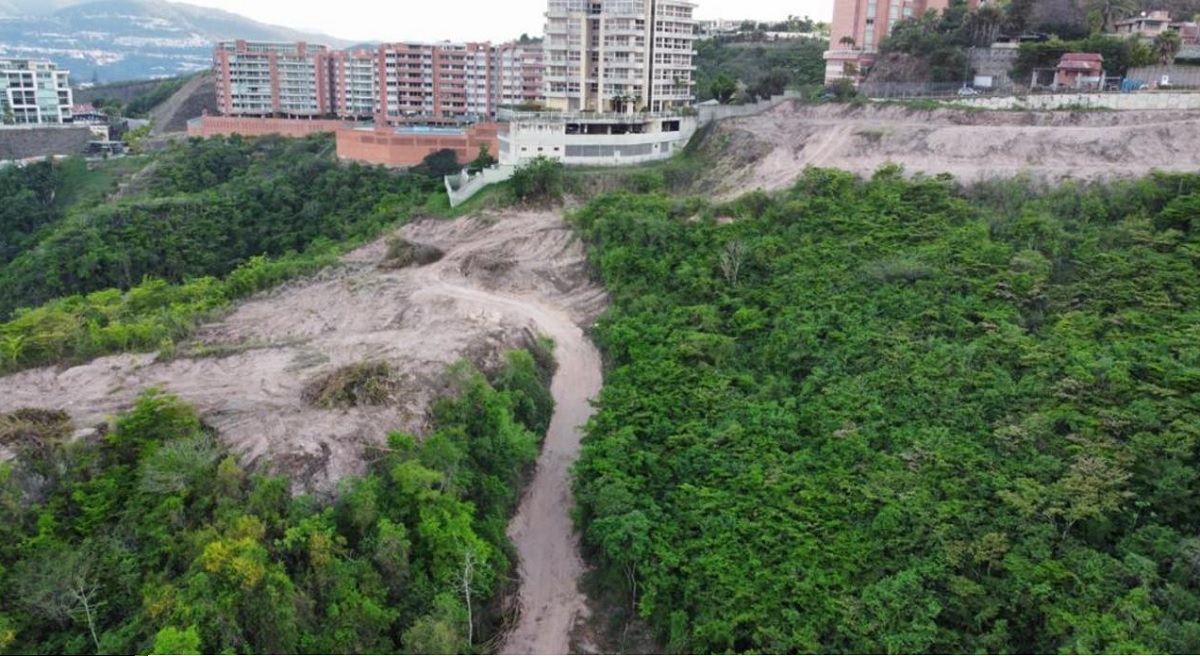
542, 531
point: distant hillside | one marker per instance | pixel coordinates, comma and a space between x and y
111, 40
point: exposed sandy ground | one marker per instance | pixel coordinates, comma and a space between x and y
770, 150
550, 568
504, 280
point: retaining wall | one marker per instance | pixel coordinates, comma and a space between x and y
29, 142
1141, 100
390, 148
463, 186
211, 126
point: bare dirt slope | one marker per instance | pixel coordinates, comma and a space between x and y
771, 149
504, 279
195, 97
550, 601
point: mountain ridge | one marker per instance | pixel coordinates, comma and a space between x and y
113, 40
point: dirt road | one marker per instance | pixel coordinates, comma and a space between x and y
542, 531
550, 567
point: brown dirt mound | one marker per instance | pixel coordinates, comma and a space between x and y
772, 149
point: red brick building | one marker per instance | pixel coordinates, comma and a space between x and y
436, 83
407, 146
1079, 70
860, 26
250, 126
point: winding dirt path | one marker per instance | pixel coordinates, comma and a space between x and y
542, 531
504, 277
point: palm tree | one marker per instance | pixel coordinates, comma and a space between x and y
1110, 11
1166, 45
847, 41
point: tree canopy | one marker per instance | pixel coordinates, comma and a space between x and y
900, 416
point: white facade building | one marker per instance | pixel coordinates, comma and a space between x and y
601, 140
33, 92
619, 55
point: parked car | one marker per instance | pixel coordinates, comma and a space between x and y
968, 91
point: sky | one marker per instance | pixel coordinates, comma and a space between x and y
464, 20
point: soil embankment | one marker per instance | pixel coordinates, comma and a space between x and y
771, 149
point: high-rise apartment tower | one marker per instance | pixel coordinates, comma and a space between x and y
619, 55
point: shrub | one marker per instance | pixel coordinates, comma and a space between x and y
402, 253
359, 384
538, 181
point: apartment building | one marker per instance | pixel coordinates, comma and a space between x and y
33, 92
393, 83
437, 82
619, 55
355, 82
272, 79
859, 26
518, 73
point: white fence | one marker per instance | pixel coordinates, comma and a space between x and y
464, 185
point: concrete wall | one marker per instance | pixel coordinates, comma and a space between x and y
1143, 100
210, 126
709, 113
386, 146
24, 143
994, 62
463, 186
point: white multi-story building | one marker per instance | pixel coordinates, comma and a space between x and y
33, 92
619, 55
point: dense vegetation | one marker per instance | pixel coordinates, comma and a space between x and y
930, 47
150, 537
218, 219
896, 416
35, 198
212, 205
764, 68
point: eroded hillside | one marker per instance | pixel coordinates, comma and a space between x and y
771, 149
504, 278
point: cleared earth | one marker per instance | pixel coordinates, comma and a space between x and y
771, 149
505, 279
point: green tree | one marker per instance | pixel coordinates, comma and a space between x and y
1108, 12
723, 88
539, 181
1167, 45
482, 161
171, 640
